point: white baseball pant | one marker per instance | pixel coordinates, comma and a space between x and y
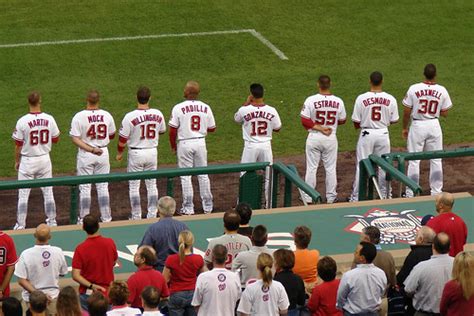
88, 164
371, 141
425, 135
142, 160
320, 146
193, 153
35, 168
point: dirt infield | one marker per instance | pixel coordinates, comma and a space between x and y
458, 175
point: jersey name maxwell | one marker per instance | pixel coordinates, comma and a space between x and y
147, 118
428, 93
194, 108
326, 104
258, 114
376, 100
38, 122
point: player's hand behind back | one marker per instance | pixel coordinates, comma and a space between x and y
119, 157
326, 131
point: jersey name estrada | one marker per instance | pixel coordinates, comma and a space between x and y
258, 122
192, 118
427, 100
375, 110
94, 127
324, 109
36, 131
141, 128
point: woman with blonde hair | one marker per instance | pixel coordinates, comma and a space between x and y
68, 303
458, 294
265, 296
180, 272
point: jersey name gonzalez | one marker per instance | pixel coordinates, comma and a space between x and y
192, 118
427, 100
141, 128
258, 122
325, 110
375, 110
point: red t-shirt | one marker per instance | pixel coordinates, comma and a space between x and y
323, 299
144, 277
453, 302
96, 257
183, 276
7, 258
452, 225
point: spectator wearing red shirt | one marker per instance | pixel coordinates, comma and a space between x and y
144, 259
449, 223
93, 262
323, 298
181, 271
7, 266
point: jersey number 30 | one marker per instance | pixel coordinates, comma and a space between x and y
427, 106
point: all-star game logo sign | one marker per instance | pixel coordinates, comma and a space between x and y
394, 227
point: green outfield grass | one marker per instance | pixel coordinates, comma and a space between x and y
345, 39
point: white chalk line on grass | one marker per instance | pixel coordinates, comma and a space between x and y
253, 32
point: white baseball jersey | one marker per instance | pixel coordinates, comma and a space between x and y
427, 100
258, 122
94, 127
257, 299
141, 128
42, 265
325, 110
35, 131
192, 118
234, 243
217, 292
375, 110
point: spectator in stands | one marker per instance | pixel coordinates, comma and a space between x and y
361, 289
246, 262
293, 284
144, 259
449, 223
458, 294
118, 295
234, 242
306, 261
427, 279
181, 271
323, 299
94, 260
97, 304
68, 303
163, 235
7, 265
150, 301
217, 291
40, 267
264, 296
11, 307
245, 212
38, 302
421, 251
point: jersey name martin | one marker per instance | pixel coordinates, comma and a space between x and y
95, 118
326, 104
147, 118
429, 93
376, 100
259, 114
38, 122
194, 108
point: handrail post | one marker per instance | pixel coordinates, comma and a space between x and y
276, 187
74, 204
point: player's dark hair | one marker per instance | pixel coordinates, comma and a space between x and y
256, 90
12, 307
441, 243
302, 236
143, 95
151, 297
90, 224
245, 213
324, 82
373, 233
93, 97
97, 304
34, 98
368, 250
259, 236
284, 259
231, 221
219, 254
430, 71
376, 78
38, 301
149, 256
119, 293
327, 268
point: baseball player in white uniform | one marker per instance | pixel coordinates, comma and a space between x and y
91, 131
140, 130
258, 121
373, 112
189, 124
424, 103
34, 135
321, 114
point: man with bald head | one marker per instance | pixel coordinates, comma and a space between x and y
189, 124
448, 222
40, 267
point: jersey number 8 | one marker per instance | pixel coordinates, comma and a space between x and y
39, 137
195, 123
